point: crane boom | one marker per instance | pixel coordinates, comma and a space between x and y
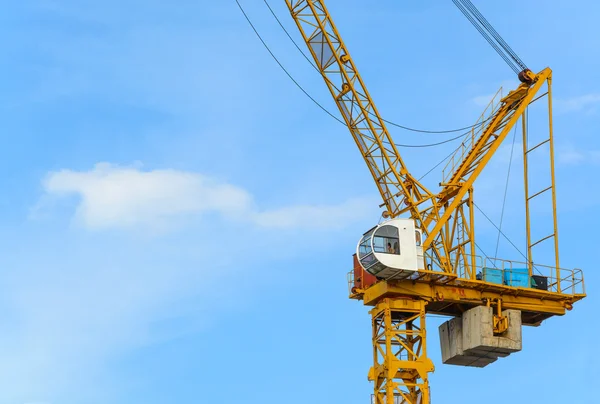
499, 125
400, 191
355, 104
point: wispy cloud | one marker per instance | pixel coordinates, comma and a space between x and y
587, 103
315, 217
569, 155
111, 196
121, 197
483, 100
81, 303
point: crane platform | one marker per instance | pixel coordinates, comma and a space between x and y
448, 294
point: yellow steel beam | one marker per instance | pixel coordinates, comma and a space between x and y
400, 363
484, 149
398, 188
473, 293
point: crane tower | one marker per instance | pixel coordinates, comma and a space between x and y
423, 258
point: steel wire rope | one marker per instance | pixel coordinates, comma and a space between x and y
512, 150
314, 100
416, 146
282, 67
485, 29
504, 235
370, 113
491, 261
310, 62
441, 161
504, 45
500, 232
486, 36
481, 18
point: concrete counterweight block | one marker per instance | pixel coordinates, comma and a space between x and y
470, 340
452, 347
478, 332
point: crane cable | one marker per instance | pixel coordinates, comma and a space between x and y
517, 65
499, 228
442, 161
506, 237
316, 102
312, 64
512, 150
283, 68
484, 34
491, 35
495, 34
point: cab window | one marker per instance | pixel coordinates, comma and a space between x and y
386, 240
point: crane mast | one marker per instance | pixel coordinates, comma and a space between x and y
448, 280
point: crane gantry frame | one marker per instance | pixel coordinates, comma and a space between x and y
449, 285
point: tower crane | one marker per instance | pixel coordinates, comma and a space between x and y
423, 258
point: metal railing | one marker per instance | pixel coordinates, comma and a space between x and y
516, 274
467, 144
559, 280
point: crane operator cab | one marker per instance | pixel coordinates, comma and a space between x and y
392, 249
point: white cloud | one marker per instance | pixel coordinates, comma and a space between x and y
113, 196
507, 150
126, 197
317, 217
79, 302
483, 100
586, 103
570, 155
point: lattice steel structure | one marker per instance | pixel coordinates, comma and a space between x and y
400, 352
449, 284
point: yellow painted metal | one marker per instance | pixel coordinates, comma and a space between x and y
554, 210
449, 247
472, 274
501, 123
456, 296
450, 285
526, 183
540, 147
500, 321
400, 362
400, 191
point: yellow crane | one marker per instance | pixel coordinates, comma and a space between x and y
422, 258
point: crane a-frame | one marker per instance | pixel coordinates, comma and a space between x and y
448, 278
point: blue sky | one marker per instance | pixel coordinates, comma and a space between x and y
178, 218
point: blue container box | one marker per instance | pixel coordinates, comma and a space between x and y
493, 275
517, 277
